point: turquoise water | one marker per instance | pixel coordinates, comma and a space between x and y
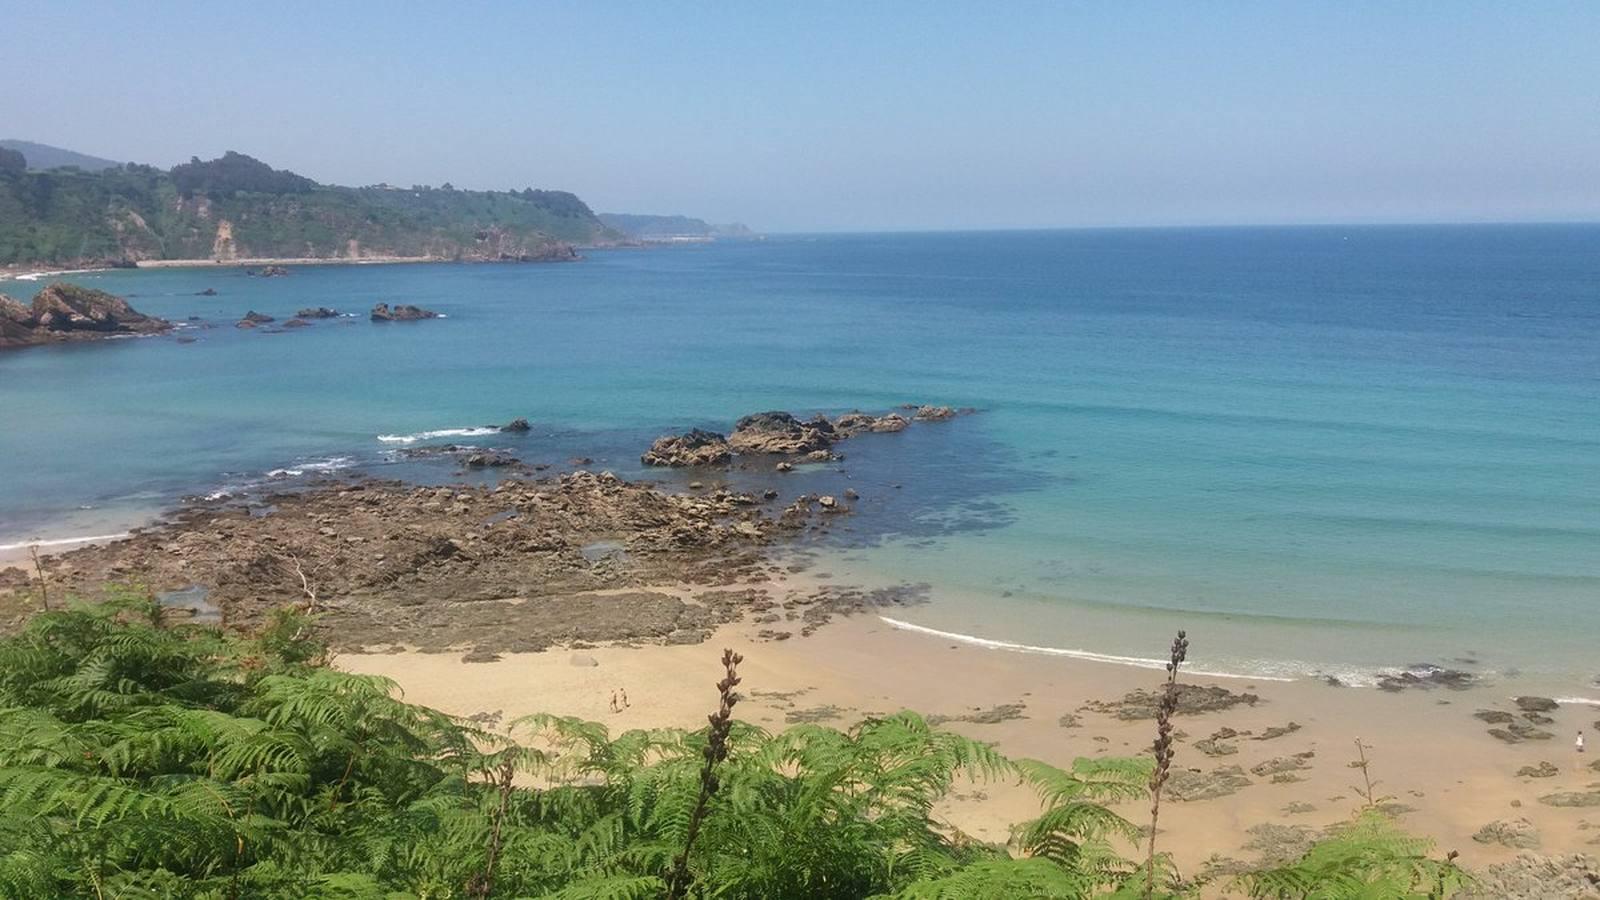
1317, 448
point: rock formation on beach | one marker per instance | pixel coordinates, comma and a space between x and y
403, 312
518, 566
67, 312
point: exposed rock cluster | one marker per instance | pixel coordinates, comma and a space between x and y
520, 566
67, 312
402, 312
778, 433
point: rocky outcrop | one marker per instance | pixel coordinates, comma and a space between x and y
695, 447
403, 312
67, 312
1534, 877
780, 432
1190, 785
252, 319
268, 272
511, 566
1517, 833
317, 312
1192, 699
516, 426
774, 433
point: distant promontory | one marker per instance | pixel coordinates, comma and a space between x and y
237, 208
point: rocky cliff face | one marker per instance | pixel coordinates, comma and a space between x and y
67, 312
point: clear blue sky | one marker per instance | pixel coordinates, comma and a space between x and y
853, 115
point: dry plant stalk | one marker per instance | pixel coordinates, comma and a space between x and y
1368, 793
482, 884
38, 570
716, 751
1163, 752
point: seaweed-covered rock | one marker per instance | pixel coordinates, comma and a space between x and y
1534, 877
1193, 699
1189, 785
780, 432
1517, 833
695, 447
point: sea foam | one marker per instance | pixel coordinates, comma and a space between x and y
440, 433
1138, 662
62, 542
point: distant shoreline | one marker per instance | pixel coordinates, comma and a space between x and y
35, 273
289, 261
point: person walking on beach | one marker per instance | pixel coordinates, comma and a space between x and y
1580, 742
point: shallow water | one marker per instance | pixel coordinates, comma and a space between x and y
1316, 448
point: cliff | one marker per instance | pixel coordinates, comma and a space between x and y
236, 207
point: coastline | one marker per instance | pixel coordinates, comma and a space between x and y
818, 650
1039, 707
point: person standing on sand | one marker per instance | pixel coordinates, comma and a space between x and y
1580, 742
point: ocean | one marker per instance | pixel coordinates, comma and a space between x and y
1322, 451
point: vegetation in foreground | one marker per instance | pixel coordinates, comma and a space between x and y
142, 759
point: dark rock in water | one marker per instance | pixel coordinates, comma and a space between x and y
1193, 699
297, 323
252, 319
1189, 785
1494, 716
580, 461
933, 413
208, 292
1536, 704
1542, 770
403, 312
186, 340
779, 432
66, 312
268, 272
1427, 677
695, 447
516, 426
317, 312
490, 460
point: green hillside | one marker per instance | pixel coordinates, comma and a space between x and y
236, 207
44, 156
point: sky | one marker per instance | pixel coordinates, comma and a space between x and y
823, 116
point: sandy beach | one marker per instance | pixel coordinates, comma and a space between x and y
1433, 763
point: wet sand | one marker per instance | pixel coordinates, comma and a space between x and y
1443, 775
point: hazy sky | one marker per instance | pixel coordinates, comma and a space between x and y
853, 115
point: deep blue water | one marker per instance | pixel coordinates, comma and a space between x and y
1311, 446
